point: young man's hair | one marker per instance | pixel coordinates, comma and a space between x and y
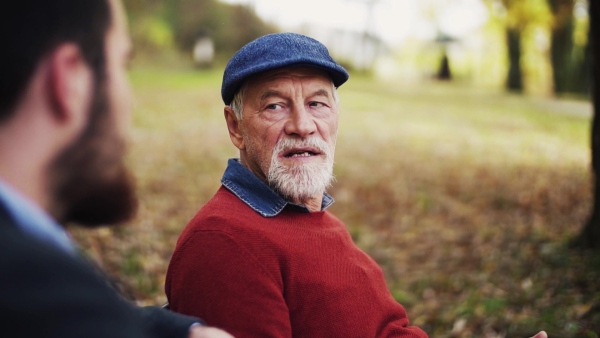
30, 29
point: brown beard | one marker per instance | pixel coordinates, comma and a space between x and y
90, 183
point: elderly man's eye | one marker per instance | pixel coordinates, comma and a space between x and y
273, 106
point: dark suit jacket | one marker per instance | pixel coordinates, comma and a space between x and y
45, 292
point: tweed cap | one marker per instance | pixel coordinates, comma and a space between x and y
274, 51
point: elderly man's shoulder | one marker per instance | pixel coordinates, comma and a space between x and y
221, 228
224, 215
224, 208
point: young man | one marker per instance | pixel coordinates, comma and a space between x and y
64, 111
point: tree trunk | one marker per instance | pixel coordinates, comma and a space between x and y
590, 236
514, 81
561, 46
584, 86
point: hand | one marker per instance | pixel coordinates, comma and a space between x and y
210, 332
541, 334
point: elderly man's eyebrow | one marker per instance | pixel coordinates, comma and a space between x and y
322, 92
269, 93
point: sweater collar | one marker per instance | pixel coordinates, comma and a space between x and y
258, 195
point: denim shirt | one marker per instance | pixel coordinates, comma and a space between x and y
257, 194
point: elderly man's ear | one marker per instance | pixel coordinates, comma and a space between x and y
234, 127
70, 86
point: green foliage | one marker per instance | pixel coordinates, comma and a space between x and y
553, 20
157, 25
521, 13
525, 25
152, 34
231, 26
581, 29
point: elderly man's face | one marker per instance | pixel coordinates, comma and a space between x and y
289, 127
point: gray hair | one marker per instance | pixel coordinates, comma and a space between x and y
237, 104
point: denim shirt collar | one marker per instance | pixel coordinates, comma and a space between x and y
257, 194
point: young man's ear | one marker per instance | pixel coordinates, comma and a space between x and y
71, 84
233, 125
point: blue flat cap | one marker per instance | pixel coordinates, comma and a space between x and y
276, 51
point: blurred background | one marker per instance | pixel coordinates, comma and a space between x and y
463, 164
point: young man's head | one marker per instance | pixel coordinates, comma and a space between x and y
31, 29
65, 97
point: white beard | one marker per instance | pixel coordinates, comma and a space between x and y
301, 182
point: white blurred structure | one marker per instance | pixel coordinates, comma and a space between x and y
203, 52
352, 48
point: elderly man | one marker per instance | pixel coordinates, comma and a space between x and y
264, 258
64, 108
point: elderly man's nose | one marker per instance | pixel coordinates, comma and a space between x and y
301, 122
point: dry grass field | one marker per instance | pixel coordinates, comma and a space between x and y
466, 197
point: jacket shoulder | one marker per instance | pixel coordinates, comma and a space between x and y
47, 292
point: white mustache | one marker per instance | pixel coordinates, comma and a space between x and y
287, 144
301, 181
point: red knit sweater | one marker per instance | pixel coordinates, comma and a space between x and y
293, 275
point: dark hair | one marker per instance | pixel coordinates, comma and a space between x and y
30, 29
